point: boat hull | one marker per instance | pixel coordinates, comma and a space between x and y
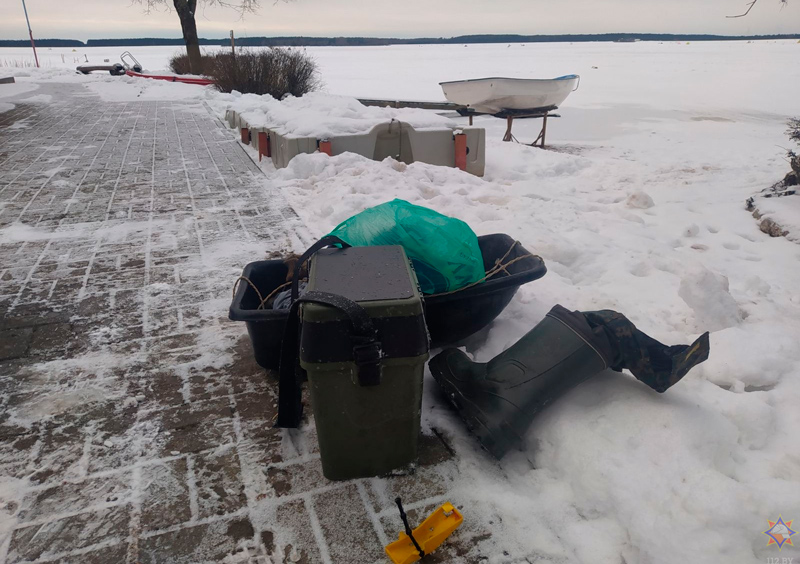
498, 94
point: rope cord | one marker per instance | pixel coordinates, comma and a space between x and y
262, 300
272, 293
499, 266
246, 279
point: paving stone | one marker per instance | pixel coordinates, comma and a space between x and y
211, 542
432, 477
208, 384
293, 536
292, 479
73, 497
115, 441
15, 454
195, 427
158, 388
257, 413
346, 526
71, 533
59, 455
218, 480
15, 343
53, 340
114, 554
165, 494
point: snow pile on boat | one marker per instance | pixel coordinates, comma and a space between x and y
322, 115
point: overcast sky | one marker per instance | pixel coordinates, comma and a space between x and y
83, 19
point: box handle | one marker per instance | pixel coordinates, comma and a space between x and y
327, 241
367, 353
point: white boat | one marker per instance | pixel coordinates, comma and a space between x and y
499, 94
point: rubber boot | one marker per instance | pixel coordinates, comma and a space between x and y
499, 399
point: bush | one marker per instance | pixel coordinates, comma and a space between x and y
179, 63
794, 130
793, 178
274, 71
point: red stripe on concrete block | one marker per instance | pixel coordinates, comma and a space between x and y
263, 145
461, 150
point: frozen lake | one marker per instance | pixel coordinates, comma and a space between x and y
736, 76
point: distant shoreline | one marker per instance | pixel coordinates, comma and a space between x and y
301, 41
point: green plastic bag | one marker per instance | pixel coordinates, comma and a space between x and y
443, 250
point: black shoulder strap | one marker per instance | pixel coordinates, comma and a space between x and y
367, 353
326, 241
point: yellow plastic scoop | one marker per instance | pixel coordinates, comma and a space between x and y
429, 535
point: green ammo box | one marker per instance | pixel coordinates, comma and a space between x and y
365, 427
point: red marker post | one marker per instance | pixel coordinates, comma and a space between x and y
30, 32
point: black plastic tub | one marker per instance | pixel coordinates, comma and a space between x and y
450, 317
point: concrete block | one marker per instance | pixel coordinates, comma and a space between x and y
230, 117
394, 139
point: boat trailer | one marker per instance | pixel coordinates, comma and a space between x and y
466, 111
543, 113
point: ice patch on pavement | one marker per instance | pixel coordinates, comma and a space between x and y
65, 384
38, 99
16, 89
21, 232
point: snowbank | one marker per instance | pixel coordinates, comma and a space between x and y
784, 211
130, 89
109, 88
321, 115
614, 470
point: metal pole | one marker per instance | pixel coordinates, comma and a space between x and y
33, 44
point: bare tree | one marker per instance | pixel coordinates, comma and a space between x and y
750, 7
186, 13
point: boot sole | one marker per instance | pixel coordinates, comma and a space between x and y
497, 439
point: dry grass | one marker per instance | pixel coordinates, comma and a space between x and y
21, 63
794, 130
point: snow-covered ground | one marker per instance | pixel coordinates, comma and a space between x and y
321, 115
639, 207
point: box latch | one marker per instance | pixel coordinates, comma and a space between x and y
367, 357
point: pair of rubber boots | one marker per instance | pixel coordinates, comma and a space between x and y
499, 399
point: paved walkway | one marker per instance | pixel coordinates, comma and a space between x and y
134, 424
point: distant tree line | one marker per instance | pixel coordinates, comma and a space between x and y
42, 43
301, 41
